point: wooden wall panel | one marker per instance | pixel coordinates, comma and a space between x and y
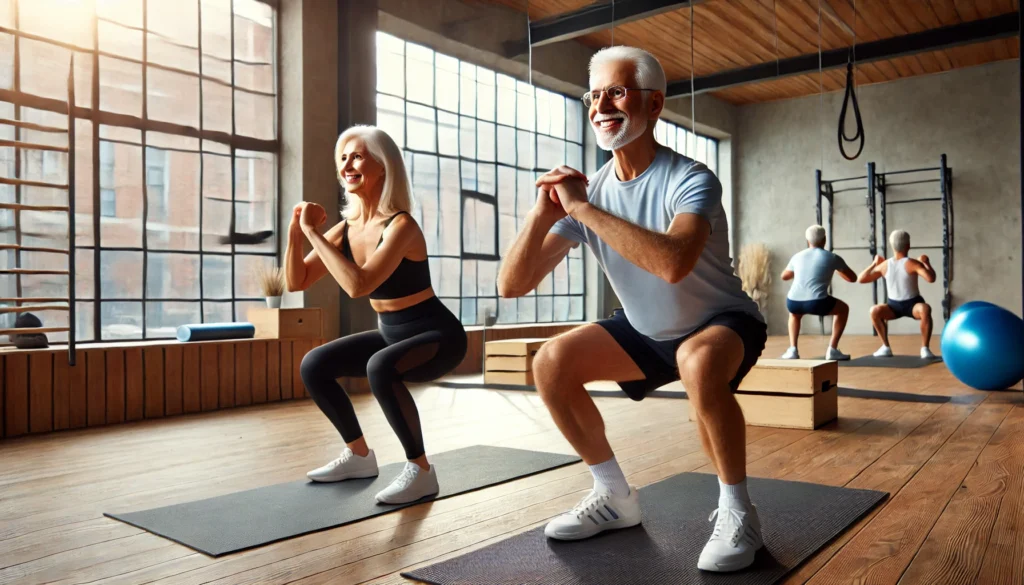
134, 392
209, 385
227, 376
300, 347
96, 387
191, 383
40, 392
115, 385
259, 372
286, 370
153, 369
273, 371
78, 413
61, 392
243, 374
16, 396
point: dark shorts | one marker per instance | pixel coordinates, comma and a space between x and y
657, 359
904, 308
819, 307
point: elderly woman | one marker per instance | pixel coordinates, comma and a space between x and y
376, 250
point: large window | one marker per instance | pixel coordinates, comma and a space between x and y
176, 142
474, 143
696, 146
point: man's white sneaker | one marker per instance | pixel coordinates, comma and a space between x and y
347, 466
598, 511
734, 542
926, 354
834, 354
884, 351
410, 485
791, 354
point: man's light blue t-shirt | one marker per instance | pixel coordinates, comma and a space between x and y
672, 185
812, 273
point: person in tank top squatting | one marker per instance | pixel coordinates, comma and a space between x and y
901, 273
376, 250
811, 271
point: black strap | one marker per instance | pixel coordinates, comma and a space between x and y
851, 95
387, 223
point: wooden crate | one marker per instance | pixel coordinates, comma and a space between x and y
796, 394
510, 361
287, 323
520, 347
513, 378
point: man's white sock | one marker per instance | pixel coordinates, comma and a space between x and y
610, 475
734, 495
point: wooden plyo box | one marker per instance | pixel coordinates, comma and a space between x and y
510, 361
793, 394
287, 323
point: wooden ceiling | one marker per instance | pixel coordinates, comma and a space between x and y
730, 34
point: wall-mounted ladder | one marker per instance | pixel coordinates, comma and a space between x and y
21, 303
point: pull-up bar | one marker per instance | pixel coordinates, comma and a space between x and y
913, 182
912, 201
929, 169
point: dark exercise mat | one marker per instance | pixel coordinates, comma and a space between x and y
234, 522
679, 394
797, 519
896, 361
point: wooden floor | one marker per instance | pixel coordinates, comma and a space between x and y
955, 473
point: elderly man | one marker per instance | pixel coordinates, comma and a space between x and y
654, 220
811, 272
904, 299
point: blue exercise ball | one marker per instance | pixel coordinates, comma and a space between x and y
983, 347
970, 305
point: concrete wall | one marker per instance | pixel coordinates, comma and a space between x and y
970, 114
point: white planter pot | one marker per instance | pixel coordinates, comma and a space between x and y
274, 302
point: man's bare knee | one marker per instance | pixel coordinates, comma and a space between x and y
552, 371
841, 308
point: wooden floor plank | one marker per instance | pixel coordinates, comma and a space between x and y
1004, 556
884, 548
953, 552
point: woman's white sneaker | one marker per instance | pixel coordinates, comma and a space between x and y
884, 351
410, 485
926, 354
598, 511
734, 542
834, 354
347, 466
791, 354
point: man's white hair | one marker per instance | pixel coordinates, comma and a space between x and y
900, 241
815, 236
648, 73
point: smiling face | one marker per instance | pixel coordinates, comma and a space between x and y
359, 172
617, 123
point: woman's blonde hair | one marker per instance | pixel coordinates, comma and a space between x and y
396, 194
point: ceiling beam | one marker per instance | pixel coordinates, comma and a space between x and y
977, 31
601, 15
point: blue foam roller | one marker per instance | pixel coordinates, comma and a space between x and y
211, 331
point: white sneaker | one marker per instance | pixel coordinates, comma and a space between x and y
347, 466
598, 511
926, 354
835, 355
883, 351
734, 542
410, 485
791, 354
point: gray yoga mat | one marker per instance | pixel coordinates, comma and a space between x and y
896, 361
797, 519
242, 520
678, 394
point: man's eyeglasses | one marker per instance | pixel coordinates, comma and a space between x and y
616, 93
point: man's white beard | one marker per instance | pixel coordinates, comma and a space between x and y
629, 131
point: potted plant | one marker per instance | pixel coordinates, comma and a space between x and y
272, 283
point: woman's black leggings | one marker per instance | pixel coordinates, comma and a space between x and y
418, 344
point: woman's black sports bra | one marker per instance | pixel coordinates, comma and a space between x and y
411, 276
